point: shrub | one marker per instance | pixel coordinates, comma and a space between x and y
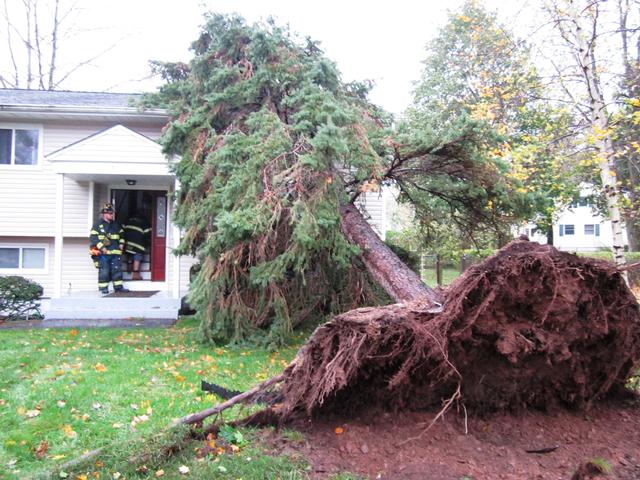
18, 298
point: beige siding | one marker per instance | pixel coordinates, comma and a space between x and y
76, 208
57, 135
186, 262
27, 201
100, 197
372, 206
78, 272
46, 278
113, 146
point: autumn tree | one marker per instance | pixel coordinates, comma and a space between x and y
477, 69
275, 150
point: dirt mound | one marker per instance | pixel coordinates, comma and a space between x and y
529, 327
532, 446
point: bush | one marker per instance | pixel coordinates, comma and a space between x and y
18, 298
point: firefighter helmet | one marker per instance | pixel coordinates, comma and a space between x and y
107, 208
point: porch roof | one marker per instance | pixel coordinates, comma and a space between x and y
114, 154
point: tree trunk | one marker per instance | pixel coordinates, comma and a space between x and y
601, 128
398, 280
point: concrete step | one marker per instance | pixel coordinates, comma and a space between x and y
93, 307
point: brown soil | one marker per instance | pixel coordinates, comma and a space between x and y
398, 446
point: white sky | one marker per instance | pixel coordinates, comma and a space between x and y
379, 40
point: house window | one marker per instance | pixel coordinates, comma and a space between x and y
592, 229
567, 230
19, 146
31, 259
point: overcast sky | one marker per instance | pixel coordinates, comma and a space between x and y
383, 41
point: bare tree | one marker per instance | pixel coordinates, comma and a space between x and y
34, 33
579, 23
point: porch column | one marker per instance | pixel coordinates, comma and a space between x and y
90, 206
175, 241
59, 236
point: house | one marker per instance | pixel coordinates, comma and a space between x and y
64, 154
577, 228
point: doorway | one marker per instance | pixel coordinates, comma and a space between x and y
152, 205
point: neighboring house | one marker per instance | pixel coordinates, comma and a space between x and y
64, 154
578, 228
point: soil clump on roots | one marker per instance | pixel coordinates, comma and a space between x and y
530, 327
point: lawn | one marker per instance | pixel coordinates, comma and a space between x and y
64, 392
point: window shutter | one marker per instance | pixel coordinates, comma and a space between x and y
561, 230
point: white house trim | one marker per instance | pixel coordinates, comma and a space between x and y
59, 238
90, 204
175, 242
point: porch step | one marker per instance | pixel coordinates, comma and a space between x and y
92, 307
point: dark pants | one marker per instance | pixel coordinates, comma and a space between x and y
110, 270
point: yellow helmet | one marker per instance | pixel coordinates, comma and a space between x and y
107, 208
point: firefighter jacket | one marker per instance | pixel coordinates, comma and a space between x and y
136, 234
109, 235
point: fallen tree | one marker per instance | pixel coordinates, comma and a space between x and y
275, 152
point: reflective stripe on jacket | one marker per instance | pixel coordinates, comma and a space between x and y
137, 233
109, 235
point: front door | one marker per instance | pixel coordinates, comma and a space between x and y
159, 236
152, 204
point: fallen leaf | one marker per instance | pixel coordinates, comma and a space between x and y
183, 469
32, 413
96, 406
160, 473
339, 430
42, 449
116, 475
73, 332
179, 378
100, 368
61, 403
68, 431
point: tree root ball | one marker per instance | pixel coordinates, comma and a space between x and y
529, 327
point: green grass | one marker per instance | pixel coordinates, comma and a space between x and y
448, 276
69, 391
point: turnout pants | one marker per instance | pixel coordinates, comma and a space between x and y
110, 270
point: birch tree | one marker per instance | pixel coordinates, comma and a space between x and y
579, 23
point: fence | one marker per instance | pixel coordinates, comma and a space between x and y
436, 270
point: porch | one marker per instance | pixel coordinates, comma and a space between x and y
90, 308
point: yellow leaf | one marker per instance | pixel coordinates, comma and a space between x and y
100, 368
68, 431
159, 473
179, 378
339, 430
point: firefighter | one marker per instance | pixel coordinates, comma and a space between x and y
107, 241
137, 233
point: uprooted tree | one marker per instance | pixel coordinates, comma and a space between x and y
275, 151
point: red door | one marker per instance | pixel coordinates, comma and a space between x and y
158, 236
